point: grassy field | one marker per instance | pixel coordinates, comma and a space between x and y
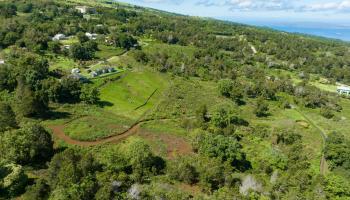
106, 52
130, 92
99, 125
63, 63
70, 41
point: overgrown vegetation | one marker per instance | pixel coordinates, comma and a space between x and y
213, 119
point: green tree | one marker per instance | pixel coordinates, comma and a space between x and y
80, 52
337, 150
55, 47
261, 108
8, 10
82, 37
39, 191
7, 117
89, 95
141, 159
124, 41
225, 87
181, 170
30, 103
27, 145
219, 146
12, 180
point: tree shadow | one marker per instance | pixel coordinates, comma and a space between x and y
103, 104
53, 115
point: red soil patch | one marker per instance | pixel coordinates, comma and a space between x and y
193, 189
175, 145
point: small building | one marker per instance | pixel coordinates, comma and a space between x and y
75, 71
110, 69
59, 37
82, 9
99, 71
94, 74
85, 9
2, 62
67, 46
344, 90
91, 36
78, 77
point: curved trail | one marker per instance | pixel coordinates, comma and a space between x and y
59, 133
323, 162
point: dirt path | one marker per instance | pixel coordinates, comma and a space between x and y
323, 162
59, 133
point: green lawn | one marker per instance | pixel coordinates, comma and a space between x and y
99, 125
131, 91
63, 63
106, 52
70, 41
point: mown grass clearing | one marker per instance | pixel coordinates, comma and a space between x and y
70, 41
88, 123
90, 128
63, 63
133, 90
106, 52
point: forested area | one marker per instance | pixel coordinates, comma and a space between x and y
237, 59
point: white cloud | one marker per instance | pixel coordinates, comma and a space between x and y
343, 6
279, 5
162, 1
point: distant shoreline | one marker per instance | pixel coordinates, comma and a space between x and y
329, 31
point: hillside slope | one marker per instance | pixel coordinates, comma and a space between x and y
105, 100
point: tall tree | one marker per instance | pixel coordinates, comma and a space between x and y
27, 145
7, 117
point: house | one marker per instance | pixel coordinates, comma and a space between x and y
343, 90
93, 74
75, 71
108, 40
77, 77
85, 9
2, 62
82, 9
110, 69
59, 37
91, 36
99, 72
66, 46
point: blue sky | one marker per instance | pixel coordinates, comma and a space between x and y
336, 12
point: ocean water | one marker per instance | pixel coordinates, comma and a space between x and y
341, 33
334, 30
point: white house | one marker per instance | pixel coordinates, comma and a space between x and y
85, 9
343, 90
91, 36
2, 62
58, 37
75, 71
94, 74
82, 9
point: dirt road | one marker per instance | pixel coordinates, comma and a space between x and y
59, 133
